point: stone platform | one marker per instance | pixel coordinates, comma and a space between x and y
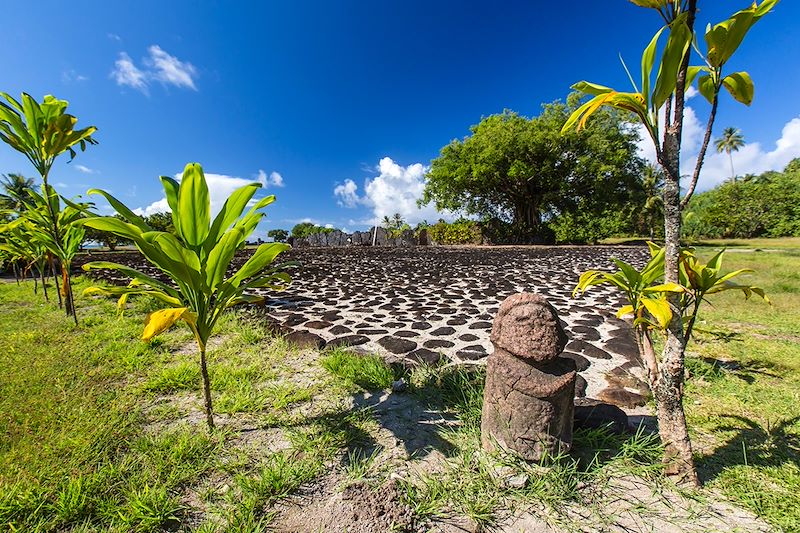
437, 303
434, 303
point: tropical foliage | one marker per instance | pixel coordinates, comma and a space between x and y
767, 205
647, 101
196, 259
522, 171
42, 132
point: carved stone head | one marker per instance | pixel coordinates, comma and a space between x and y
527, 326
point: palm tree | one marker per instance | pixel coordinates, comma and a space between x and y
730, 142
17, 190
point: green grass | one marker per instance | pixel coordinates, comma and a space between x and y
743, 403
100, 432
77, 451
369, 372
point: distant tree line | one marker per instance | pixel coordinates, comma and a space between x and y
766, 205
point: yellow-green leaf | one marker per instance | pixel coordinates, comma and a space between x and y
159, 321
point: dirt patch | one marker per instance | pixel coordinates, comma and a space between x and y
358, 508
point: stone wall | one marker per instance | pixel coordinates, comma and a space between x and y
359, 238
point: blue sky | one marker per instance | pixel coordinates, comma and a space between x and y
339, 106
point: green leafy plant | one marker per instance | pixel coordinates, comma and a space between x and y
196, 259
649, 99
647, 293
42, 132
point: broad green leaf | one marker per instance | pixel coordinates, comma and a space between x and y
171, 188
123, 210
659, 309
741, 87
113, 225
263, 256
231, 211
707, 87
220, 256
632, 276
130, 272
194, 206
160, 321
676, 48
648, 60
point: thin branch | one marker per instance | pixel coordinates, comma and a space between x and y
702, 154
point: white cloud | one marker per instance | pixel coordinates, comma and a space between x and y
126, 73
752, 158
273, 180
170, 70
85, 169
395, 189
220, 187
691, 92
276, 179
71, 76
347, 194
161, 206
114, 37
159, 66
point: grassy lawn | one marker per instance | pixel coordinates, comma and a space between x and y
743, 400
101, 432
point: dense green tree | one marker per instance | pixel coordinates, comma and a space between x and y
278, 235
730, 141
161, 222
304, 229
767, 205
521, 170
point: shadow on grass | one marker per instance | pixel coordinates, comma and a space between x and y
753, 445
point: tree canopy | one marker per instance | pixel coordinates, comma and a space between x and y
523, 171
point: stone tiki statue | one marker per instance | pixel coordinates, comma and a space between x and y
528, 401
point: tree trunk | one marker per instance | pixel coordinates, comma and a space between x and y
44, 283
206, 388
66, 292
527, 218
668, 390
55, 278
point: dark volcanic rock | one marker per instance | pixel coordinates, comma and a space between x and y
594, 414
349, 340
472, 353
305, 339
622, 397
438, 343
443, 331
468, 337
580, 361
397, 345
420, 325
423, 355
340, 330
317, 324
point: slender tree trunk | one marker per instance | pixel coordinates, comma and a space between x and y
668, 389
16, 271
44, 283
733, 173
69, 298
55, 280
206, 387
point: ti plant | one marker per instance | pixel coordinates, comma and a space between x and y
42, 132
658, 102
196, 259
647, 296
